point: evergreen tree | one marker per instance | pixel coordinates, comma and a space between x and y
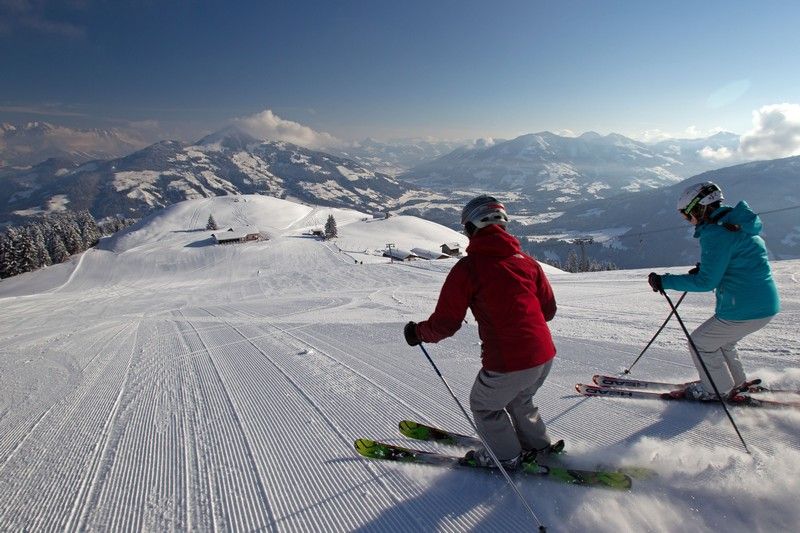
330, 228
212, 224
554, 263
71, 234
15, 255
37, 237
87, 226
573, 263
57, 248
27, 256
6, 256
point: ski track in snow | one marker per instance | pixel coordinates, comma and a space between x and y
167, 389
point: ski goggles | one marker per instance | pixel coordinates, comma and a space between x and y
686, 211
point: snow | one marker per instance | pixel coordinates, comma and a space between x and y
127, 180
57, 203
160, 382
352, 175
539, 218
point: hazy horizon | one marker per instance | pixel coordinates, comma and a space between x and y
447, 70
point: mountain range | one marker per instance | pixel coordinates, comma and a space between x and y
549, 170
556, 188
31, 143
397, 156
644, 228
227, 162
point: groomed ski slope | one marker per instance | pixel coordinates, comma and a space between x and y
163, 383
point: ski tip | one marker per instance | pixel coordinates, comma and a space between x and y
406, 425
411, 429
363, 446
638, 472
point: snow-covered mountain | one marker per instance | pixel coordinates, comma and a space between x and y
695, 156
644, 229
396, 156
549, 170
33, 142
227, 162
160, 382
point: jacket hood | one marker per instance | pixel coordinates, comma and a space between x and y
493, 240
741, 216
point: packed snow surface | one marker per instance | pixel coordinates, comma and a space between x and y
160, 382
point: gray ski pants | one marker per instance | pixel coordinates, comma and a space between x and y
506, 418
716, 343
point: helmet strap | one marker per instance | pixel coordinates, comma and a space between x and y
470, 229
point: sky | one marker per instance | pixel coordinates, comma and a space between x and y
442, 69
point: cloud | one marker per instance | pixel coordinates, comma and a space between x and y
566, 133
654, 136
692, 132
485, 142
718, 154
268, 125
775, 133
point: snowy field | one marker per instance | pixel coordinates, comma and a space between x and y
163, 383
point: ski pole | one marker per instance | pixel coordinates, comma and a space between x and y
488, 448
628, 370
705, 369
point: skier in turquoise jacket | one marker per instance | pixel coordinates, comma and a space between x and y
734, 263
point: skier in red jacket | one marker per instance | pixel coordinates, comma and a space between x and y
512, 301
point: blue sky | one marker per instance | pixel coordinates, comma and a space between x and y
445, 69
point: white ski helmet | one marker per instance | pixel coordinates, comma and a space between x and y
484, 210
703, 193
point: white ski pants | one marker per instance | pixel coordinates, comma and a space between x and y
716, 343
506, 418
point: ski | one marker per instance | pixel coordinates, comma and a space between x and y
614, 392
389, 452
678, 395
415, 430
418, 431
754, 386
611, 381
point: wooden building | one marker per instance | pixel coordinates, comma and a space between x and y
234, 235
453, 249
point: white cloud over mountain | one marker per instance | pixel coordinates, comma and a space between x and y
775, 133
268, 125
719, 154
692, 132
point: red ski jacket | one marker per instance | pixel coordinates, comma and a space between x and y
510, 297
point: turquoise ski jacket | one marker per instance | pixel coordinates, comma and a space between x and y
733, 261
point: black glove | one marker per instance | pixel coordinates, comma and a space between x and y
410, 332
696, 269
655, 282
